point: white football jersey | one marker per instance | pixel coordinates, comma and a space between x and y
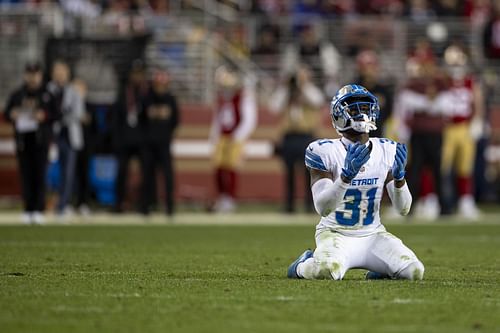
359, 212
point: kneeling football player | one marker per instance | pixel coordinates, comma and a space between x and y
348, 176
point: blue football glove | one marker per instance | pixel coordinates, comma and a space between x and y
398, 168
357, 155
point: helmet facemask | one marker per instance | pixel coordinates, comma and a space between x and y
355, 112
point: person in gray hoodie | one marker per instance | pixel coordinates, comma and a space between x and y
68, 131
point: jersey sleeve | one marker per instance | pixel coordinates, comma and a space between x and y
314, 157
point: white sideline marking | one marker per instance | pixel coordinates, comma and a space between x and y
179, 219
84, 309
239, 218
203, 148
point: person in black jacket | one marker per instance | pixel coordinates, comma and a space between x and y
128, 133
28, 109
160, 117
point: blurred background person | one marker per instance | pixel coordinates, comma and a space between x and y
68, 103
267, 41
160, 118
324, 59
363, 41
419, 11
298, 101
82, 185
234, 120
29, 112
463, 106
491, 33
368, 75
128, 131
449, 8
421, 126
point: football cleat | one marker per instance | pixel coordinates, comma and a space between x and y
376, 276
467, 208
292, 269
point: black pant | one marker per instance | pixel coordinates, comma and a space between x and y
124, 154
32, 159
425, 151
292, 151
157, 154
82, 184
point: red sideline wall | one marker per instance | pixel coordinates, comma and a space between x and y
259, 180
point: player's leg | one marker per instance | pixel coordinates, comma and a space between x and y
464, 167
389, 257
220, 160
148, 171
448, 156
40, 171
433, 152
330, 259
448, 150
68, 163
235, 161
168, 178
123, 155
25, 154
417, 155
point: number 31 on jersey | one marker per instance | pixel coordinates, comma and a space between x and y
353, 212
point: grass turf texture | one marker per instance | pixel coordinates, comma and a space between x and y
232, 279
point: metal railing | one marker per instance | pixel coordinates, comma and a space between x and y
22, 34
192, 46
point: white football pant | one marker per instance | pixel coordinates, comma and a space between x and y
381, 252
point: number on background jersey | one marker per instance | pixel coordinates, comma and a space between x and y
355, 196
322, 142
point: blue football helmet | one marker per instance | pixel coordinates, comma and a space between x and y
354, 107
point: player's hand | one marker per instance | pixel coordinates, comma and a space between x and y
476, 128
398, 168
357, 155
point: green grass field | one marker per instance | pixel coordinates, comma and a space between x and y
178, 278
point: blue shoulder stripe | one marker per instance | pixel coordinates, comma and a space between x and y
313, 161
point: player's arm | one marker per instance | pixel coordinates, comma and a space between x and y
398, 190
248, 107
328, 193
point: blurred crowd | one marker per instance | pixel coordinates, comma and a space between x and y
438, 109
439, 112
414, 9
